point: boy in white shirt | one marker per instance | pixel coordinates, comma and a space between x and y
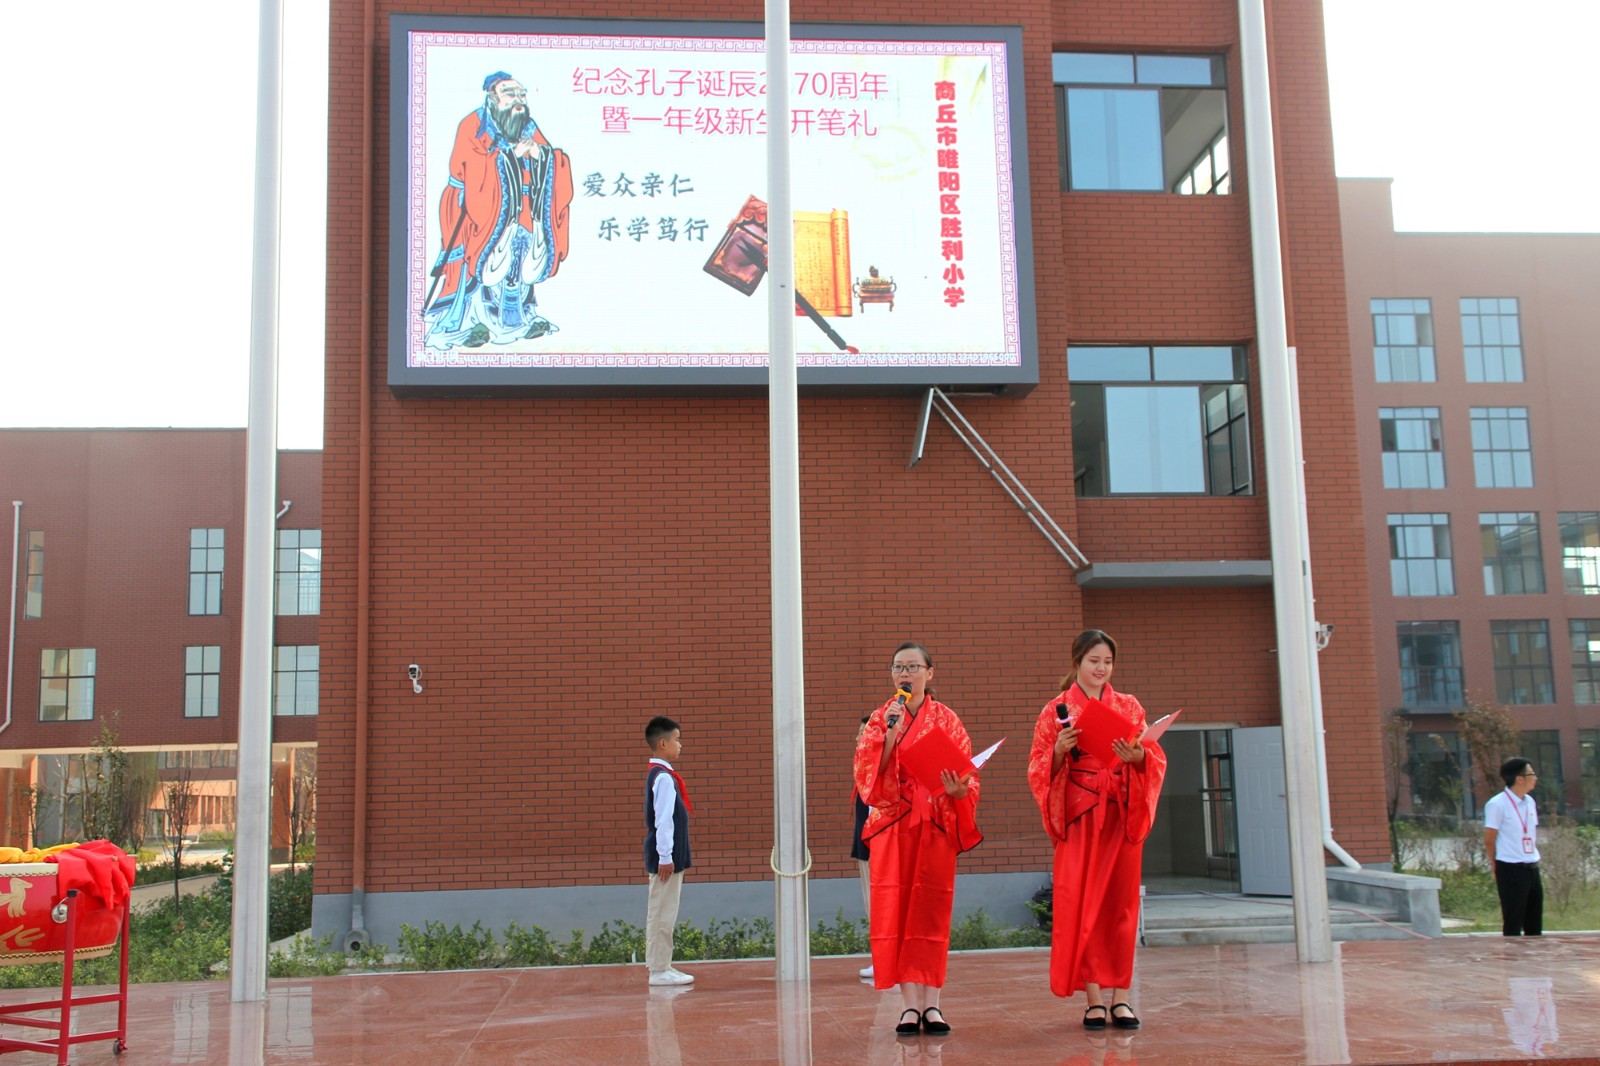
1510, 835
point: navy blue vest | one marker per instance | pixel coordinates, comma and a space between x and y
680, 826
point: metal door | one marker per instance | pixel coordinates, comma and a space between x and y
1259, 792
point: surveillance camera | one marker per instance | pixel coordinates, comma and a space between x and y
414, 671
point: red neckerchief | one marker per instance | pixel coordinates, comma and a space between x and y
683, 790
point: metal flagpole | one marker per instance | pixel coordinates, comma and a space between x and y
249, 968
790, 858
1280, 425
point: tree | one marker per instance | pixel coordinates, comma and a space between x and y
35, 802
1395, 759
302, 801
1491, 737
116, 791
180, 792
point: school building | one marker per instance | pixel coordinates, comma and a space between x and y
1475, 392
560, 560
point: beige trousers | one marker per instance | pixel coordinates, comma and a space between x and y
660, 918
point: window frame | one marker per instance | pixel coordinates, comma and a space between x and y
1384, 321
80, 668
206, 563
1516, 664
1395, 422
33, 586
1143, 76
1473, 322
1580, 552
295, 668
1497, 530
1448, 677
301, 578
1232, 428
198, 702
1499, 467
1583, 635
1401, 565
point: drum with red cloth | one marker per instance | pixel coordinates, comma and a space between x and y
33, 903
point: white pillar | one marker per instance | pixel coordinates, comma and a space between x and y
1291, 565
253, 826
793, 924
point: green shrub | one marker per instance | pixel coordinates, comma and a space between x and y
625, 943
977, 931
847, 936
157, 872
307, 958
434, 947
288, 903
530, 947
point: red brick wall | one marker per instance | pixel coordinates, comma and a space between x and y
565, 568
116, 507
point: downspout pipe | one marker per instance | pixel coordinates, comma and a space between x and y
11, 640
358, 937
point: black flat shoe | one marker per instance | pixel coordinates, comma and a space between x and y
937, 1028
1129, 1020
1098, 1021
911, 1028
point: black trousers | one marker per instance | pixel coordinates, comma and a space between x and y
1521, 898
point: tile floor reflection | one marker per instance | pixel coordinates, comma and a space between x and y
1465, 1000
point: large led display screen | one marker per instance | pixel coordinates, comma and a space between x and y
583, 205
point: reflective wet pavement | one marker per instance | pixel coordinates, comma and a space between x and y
1460, 999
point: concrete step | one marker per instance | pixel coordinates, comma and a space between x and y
1273, 934
1170, 920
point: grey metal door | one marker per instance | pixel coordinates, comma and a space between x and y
1263, 814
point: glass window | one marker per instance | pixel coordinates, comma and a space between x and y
1522, 671
66, 684
1419, 555
1589, 768
1585, 634
202, 680
1542, 747
1430, 664
1502, 455
1491, 339
299, 571
1512, 562
1402, 340
1180, 424
294, 679
33, 592
1413, 447
1143, 123
205, 571
1437, 765
1580, 552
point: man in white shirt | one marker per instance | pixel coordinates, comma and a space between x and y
1510, 835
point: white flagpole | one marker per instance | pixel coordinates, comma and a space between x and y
249, 968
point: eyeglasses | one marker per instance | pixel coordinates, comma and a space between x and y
906, 668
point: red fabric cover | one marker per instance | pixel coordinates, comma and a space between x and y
1099, 817
99, 870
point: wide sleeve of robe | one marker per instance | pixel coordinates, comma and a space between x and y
1142, 781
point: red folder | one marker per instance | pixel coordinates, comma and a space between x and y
934, 751
1098, 725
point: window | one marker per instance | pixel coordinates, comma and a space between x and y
1589, 768
202, 680
1402, 340
1580, 552
1436, 763
1542, 747
205, 571
1522, 672
1502, 457
294, 680
1430, 664
1413, 447
1512, 562
1151, 123
1491, 339
299, 569
212, 759
34, 594
1585, 634
1419, 555
66, 685
1148, 421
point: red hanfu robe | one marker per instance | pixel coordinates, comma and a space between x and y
915, 836
1099, 817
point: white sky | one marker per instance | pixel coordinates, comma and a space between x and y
130, 175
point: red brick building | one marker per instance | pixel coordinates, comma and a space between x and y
563, 567
129, 589
1475, 392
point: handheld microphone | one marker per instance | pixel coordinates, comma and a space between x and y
1064, 717
900, 697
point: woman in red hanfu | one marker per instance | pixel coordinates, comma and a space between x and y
915, 835
1098, 816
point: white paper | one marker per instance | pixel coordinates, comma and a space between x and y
983, 756
1154, 730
